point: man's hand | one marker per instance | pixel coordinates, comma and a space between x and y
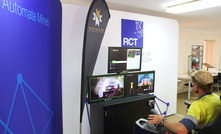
154, 119
176, 127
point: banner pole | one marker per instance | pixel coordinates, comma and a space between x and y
80, 127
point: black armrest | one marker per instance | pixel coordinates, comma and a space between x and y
187, 103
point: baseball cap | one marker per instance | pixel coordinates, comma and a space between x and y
202, 76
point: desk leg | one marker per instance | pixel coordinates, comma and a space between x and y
189, 90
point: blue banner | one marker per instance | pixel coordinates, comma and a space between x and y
131, 33
30, 67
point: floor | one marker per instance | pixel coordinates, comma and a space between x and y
181, 107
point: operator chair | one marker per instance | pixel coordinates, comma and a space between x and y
214, 127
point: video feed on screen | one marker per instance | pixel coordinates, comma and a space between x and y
106, 87
146, 82
131, 84
133, 59
139, 83
124, 59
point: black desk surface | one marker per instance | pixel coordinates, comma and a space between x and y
125, 99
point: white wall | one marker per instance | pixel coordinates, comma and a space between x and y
160, 42
187, 38
72, 40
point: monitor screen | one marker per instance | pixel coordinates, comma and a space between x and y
124, 59
139, 83
105, 87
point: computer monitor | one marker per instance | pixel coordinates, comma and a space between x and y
137, 83
105, 87
124, 59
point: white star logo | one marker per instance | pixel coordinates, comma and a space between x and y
97, 17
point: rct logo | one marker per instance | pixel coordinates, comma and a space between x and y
130, 41
131, 33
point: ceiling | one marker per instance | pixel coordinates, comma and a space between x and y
206, 20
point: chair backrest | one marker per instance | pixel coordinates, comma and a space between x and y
214, 127
219, 77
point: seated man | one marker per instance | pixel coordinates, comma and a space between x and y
201, 112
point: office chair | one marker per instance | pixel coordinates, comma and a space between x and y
218, 80
186, 86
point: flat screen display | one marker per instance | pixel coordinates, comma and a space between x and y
124, 59
139, 83
105, 87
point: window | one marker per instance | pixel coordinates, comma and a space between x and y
210, 52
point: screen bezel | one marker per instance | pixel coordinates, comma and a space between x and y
122, 70
104, 99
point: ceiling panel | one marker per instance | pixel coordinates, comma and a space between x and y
207, 20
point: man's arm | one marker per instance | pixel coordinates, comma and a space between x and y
173, 126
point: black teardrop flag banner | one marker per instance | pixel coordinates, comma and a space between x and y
96, 23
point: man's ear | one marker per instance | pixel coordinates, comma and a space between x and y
197, 86
198, 89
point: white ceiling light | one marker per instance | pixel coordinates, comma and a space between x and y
193, 5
